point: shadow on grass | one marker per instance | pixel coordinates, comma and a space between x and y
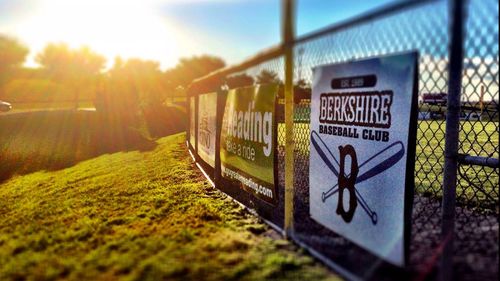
53, 140
165, 120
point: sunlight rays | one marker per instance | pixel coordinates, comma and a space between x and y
112, 28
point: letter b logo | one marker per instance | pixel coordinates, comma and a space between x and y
347, 182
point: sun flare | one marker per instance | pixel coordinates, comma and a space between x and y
112, 28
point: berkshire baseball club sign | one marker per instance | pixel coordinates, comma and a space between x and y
248, 140
207, 105
363, 125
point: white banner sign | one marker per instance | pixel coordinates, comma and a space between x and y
192, 121
362, 116
207, 111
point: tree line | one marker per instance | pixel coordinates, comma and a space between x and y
68, 74
74, 74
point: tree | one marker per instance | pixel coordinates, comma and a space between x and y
12, 55
188, 69
131, 88
143, 77
240, 80
12, 52
77, 68
301, 91
134, 95
266, 77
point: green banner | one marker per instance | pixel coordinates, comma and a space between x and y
247, 140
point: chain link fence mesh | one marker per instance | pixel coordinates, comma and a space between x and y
476, 243
424, 28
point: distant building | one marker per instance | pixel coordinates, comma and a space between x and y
435, 98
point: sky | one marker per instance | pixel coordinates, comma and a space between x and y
165, 30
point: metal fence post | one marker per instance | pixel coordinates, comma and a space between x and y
456, 51
288, 31
196, 126
221, 102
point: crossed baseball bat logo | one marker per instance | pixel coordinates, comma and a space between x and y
376, 164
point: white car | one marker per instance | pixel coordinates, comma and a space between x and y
5, 106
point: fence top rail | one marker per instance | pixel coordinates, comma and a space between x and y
278, 50
260, 57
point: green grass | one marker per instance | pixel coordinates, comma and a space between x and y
477, 139
136, 215
82, 199
53, 140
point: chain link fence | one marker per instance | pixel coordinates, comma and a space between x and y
424, 27
476, 242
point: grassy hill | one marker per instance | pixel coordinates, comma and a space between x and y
136, 215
